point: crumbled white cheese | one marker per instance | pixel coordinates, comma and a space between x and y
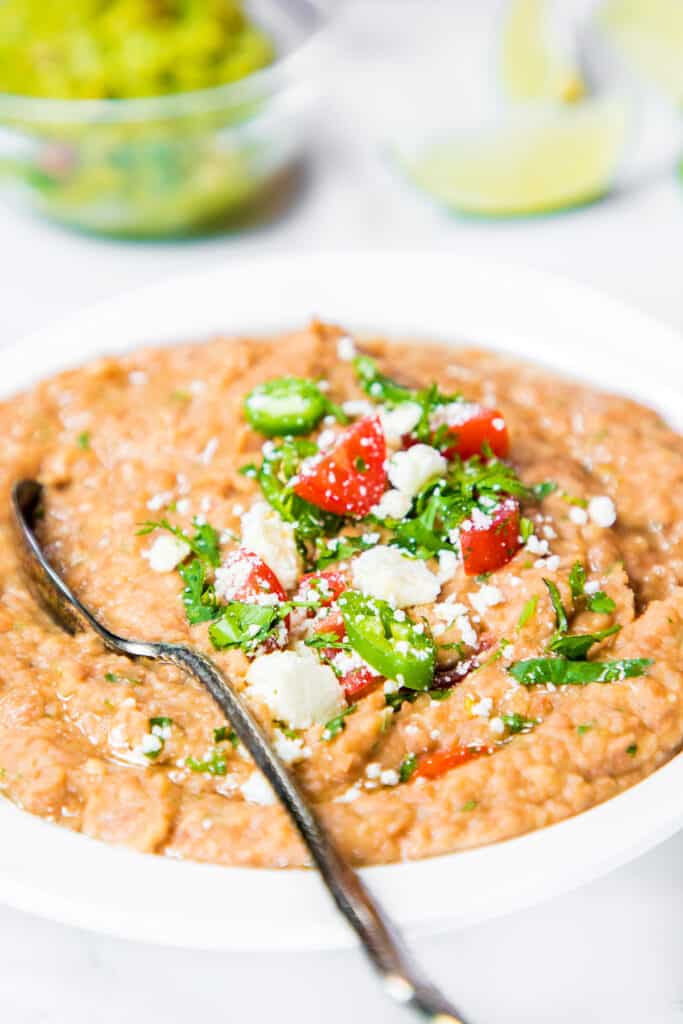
578, 515
348, 796
209, 451
257, 790
392, 505
389, 777
373, 770
602, 511
270, 537
346, 349
497, 726
166, 552
358, 407
160, 500
448, 564
385, 573
482, 709
391, 686
290, 749
298, 691
151, 744
183, 506
399, 421
326, 439
537, 546
410, 470
486, 597
549, 532
552, 564
454, 414
591, 587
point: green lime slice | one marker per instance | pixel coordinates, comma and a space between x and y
537, 160
648, 35
538, 53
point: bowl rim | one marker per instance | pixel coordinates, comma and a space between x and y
265, 81
48, 870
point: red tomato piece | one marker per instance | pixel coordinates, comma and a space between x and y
488, 545
431, 766
244, 576
483, 426
358, 682
325, 586
349, 478
333, 624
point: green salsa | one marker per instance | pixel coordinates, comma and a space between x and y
122, 49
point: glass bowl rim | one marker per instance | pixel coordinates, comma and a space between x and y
15, 107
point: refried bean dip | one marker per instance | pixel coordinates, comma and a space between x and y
448, 583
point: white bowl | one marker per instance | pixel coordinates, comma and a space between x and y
50, 871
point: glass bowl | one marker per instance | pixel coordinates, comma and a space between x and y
171, 165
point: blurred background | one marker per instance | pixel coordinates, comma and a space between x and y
145, 138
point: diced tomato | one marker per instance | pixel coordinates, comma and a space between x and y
485, 426
244, 576
489, 547
323, 586
349, 478
358, 682
333, 624
431, 766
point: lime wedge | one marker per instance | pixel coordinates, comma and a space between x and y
539, 58
536, 160
648, 34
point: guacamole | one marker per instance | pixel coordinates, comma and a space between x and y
122, 49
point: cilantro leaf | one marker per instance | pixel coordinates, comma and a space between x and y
244, 625
198, 596
205, 543
576, 647
600, 602
563, 672
556, 600
407, 768
577, 580
338, 723
516, 723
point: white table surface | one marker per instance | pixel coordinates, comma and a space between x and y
610, 952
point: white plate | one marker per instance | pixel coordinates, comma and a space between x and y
49, 871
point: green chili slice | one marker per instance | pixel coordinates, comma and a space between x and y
286, 405
388, 640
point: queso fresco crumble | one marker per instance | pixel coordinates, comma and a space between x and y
447, 582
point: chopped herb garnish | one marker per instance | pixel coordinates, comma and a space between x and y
215, 764
542, 490
320, 641
515, 723
600, 602
198, 596
528, 611
576, 647
577, 580
526, 529
407, 768
583, 729
245, 625
339, 549
338, 723
470, 805
572, 500
563, 672
360, 464
632, 750
225, 733
560, 613
205, 543
160, 723
83, 441
113, 677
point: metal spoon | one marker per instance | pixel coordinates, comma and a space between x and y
383, 944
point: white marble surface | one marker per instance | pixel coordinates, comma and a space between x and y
610, 952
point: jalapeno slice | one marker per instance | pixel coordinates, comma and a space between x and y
390, 643
285, 405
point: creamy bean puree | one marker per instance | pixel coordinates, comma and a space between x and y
447, 582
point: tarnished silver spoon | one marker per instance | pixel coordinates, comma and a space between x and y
385, 948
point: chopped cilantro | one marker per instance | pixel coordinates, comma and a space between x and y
83, 441
407, 767
338, 723
556, 600
214, 764
526, 529
632, 750
563, 672
600, 602
245, 625
542, 490
320, 641
205, 543
528, 611
583, 729
576, 647
113, 677
360, 464
340, 548
470, 805
577, 580
224, 733
518, 723
198, 596
572, 500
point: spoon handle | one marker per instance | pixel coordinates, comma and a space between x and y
382, 942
